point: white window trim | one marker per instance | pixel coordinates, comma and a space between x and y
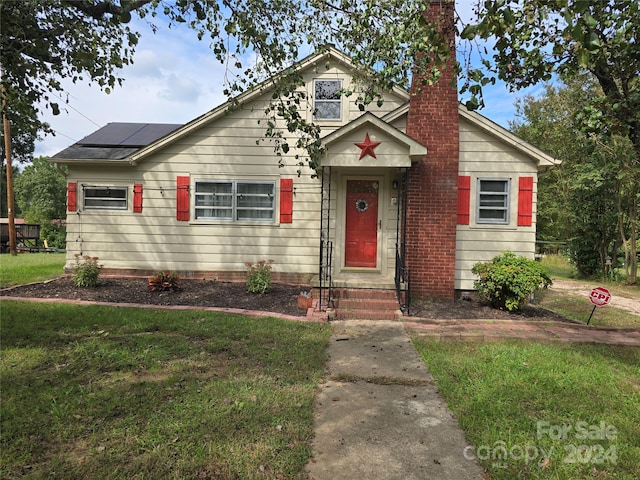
315, 101
116, 201
234, 203
506, 208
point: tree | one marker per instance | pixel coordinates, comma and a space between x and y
40, 192
537, 39
590, 201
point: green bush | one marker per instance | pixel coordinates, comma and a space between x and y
86, 271
55, 235
259, 276
507, 281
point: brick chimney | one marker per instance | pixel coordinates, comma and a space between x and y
433, 181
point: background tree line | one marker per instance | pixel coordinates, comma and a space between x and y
589, 203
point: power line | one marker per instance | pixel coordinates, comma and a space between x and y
75, 109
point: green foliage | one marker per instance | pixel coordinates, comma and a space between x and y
40, 191
163, 281
55, 235
45, 41
590, 201
259, 276
597, 37
85, 271
507, 281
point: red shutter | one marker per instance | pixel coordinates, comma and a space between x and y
137, 198
286, 200
182, 199
464, 199
72, 196
525, 201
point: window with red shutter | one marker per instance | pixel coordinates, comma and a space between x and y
72, 198
464, 199
182, 198
525, 202
137, 198
286, 200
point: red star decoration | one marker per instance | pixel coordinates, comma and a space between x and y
367, 147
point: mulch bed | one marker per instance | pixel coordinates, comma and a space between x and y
279, 299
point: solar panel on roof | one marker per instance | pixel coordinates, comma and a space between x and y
128, 134
149, 133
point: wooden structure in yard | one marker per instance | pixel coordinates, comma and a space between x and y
27, 237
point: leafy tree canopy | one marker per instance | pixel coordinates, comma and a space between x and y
40, 192
539, 38
591, 200
46, 40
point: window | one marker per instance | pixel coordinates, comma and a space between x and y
327, 101
493, 201
113, 198
235, 201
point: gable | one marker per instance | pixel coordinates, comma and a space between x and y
393, 149
479, 134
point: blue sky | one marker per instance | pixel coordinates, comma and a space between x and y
174, 79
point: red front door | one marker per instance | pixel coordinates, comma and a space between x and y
361, 229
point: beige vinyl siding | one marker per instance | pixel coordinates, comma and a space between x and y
230, 147
484, 156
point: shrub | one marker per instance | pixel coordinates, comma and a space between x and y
507, 281
86, 271
163, 281
259, 276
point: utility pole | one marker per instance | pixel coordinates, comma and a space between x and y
7, 149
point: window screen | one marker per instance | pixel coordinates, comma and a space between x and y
493, 201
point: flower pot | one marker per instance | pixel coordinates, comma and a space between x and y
304, 302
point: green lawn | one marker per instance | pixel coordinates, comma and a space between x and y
100, 392
539, 411
30, 267
579, 307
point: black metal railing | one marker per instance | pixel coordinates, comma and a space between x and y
326, 245
326, 254
402, 281
402, 273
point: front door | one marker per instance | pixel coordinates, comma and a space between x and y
361, 229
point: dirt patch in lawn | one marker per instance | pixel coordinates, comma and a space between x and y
279, 299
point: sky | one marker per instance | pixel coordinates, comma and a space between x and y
174, 79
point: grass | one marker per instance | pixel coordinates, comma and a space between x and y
104, 392
579, 307
31, 267
558, 266
540, 411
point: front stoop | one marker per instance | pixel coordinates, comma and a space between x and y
365, 304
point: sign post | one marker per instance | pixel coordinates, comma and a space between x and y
599, 296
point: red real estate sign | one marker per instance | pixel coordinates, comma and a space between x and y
599, 296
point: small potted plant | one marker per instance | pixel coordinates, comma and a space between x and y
305, 301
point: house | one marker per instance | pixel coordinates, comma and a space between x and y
410, 194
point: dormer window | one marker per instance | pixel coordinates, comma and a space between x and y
327, 100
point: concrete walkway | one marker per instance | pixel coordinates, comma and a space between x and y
495, 330
378, 414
